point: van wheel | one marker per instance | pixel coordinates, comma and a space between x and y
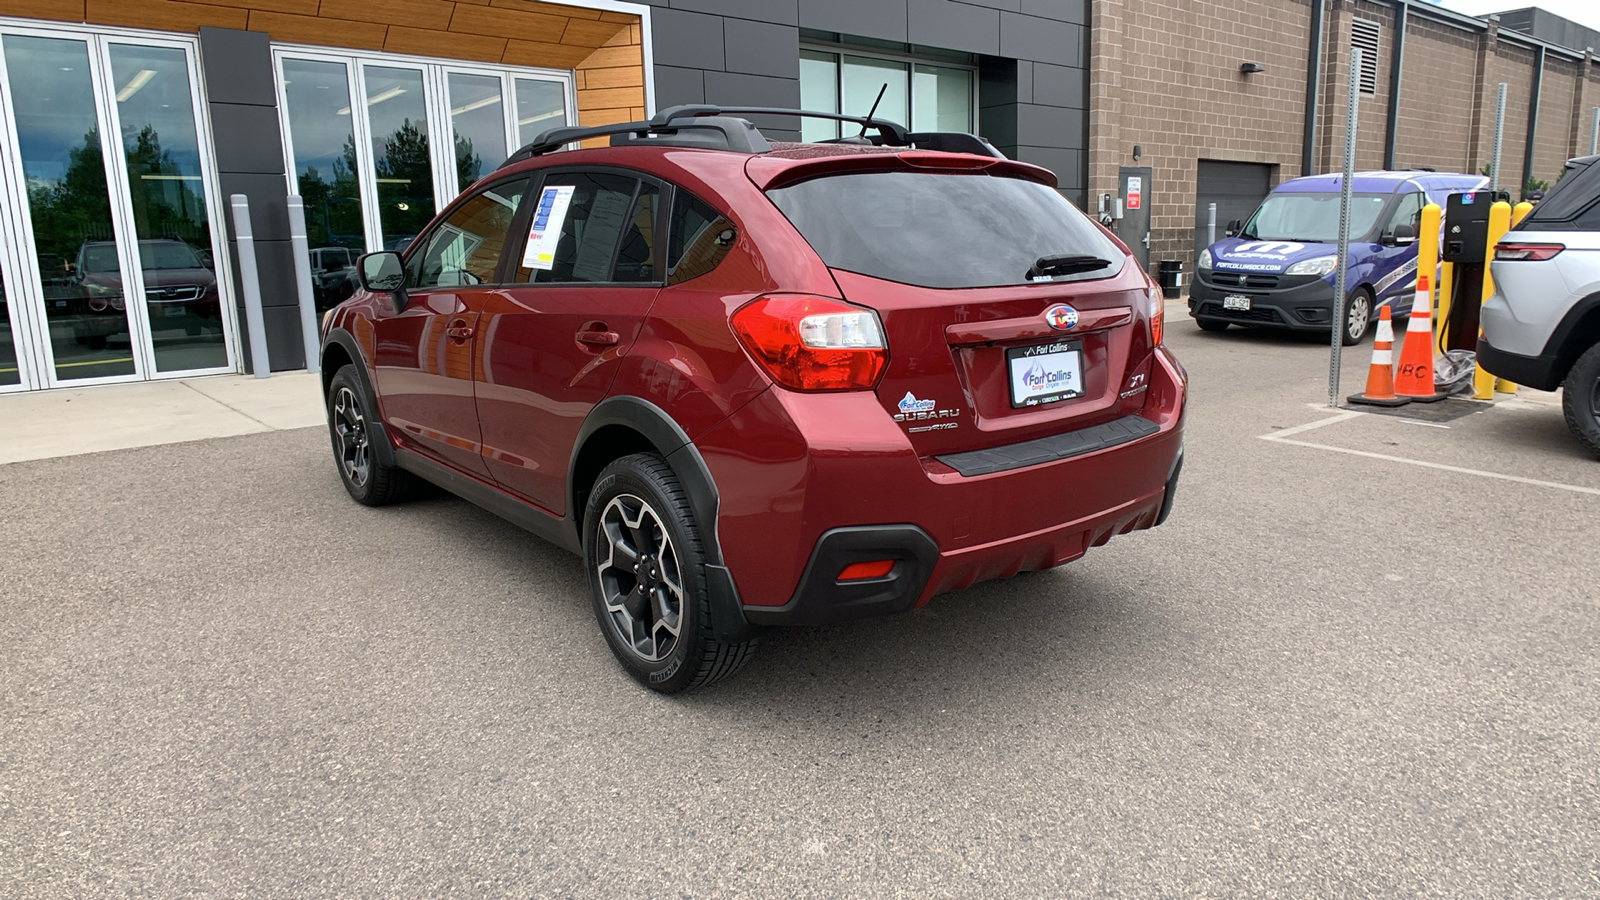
1211, 324
1357, 317
1580, 399
647, 578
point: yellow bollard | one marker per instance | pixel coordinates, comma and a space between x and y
1499, 223
1428, 253
1518, 213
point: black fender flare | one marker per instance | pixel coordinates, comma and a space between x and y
382, 446
674, 445
1559, 347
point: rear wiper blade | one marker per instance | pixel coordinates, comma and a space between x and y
1065, 265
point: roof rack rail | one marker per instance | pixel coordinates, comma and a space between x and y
719, 128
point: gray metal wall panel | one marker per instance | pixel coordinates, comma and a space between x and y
233, 64
1074, 11
780, 11
675, 85
686, 39
954, 26
1041, 40
1060, 86
882, 19
269, 217
758, 48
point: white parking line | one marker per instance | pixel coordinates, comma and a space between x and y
1281, 437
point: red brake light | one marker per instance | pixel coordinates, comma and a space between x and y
812, 343
1158, 309
1532, 252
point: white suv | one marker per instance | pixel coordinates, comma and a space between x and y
1541, 327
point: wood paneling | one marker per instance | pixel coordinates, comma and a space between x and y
312, 30
602, 47
60, 10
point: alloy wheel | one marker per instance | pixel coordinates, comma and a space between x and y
350, 429
640, 581
1360, 316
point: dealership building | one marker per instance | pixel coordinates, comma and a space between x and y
126, 125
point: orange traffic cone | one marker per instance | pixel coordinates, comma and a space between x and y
1414, 379
1380, 377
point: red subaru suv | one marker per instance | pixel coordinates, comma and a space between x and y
756, 383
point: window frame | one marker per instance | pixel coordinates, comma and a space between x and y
415, 252
912, 60
658, 249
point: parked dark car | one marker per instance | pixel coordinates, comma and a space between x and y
759, 383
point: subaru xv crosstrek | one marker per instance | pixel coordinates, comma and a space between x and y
756, 383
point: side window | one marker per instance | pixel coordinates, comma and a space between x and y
1407, 212
700, 238
465, 248
591, 227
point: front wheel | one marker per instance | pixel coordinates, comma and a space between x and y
646, 578
1357, 317
1211, 324
369, 482
1580, 399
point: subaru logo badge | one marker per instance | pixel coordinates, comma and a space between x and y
1061, 317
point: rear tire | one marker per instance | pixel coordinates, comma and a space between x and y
1211, 324
369, 482
1580, 399
647, 581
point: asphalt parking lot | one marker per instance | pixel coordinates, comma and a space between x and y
1359, 661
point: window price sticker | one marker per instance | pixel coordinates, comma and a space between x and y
545, 231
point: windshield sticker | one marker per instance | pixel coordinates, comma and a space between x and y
1267, 250
545, 232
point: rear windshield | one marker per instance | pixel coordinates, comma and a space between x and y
942, 230
1570, 203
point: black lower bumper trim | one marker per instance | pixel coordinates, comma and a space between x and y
823, 599
1538, 372
1050, 449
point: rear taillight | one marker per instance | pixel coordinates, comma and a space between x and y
812, 343
1158, 310
1532, 252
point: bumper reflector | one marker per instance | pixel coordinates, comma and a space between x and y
861, 570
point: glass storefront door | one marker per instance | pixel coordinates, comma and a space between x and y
378, 143
109, 213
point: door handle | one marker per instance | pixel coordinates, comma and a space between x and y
598, 338
458, 332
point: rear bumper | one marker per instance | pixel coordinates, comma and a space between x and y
797, 508
1542, 372
1303, 307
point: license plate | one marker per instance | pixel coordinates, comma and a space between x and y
1236, 301
1045, 373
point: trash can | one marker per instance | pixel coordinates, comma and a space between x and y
1170, 277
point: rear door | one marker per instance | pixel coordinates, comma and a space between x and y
425, 352
984, 350
586, 268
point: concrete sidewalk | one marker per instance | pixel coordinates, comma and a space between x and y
70, 421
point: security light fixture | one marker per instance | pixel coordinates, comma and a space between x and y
1251, 68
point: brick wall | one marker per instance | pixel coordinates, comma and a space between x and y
1372, 110
1437, 92
1165, 75
1556, 140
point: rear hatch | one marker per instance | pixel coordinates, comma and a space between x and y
1008, 314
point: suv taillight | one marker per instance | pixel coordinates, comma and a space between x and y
1533, 252
812, 343
1158, 308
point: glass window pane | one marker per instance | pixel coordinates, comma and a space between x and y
541, 105
479, 118
941, 99
58, 138
819, 91
396, 108
864, 78
700, 238
466, 247
155, 109
8, 348
317, 97
598, 222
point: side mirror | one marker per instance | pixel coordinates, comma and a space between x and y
1234, 227
1403, 235
383, 273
